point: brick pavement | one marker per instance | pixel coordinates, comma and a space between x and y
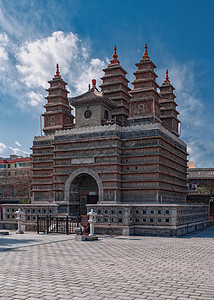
56, 267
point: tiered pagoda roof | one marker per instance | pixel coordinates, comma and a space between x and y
115, 87
92, 96
58, 111
168, 106
144, 103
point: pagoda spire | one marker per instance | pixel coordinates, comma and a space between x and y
115, 56
144, 105
57, 115
115, 87
145, 54
167, 78
169, 113
57, 75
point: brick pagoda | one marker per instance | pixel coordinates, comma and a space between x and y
168, 106
58, 111
115, 87
123, 156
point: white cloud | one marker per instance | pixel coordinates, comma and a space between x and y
201, 152
4, 49
3, 148
27, 67
37, 61
17, 151
3, 55
34, 99
4, 39
18, 144
93, 71
6, 151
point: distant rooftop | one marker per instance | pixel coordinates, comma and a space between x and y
200, 173
191, 164
14, 158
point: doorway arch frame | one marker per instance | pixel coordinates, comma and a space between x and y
78, 172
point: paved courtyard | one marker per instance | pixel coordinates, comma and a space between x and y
53, 267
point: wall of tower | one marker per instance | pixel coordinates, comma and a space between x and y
169, 114
58, 111
115, 87
144, 103
136, 165
42, 171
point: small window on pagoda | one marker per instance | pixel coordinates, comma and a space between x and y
106, 116
87, 114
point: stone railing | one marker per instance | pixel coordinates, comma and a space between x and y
30, 211
167, 219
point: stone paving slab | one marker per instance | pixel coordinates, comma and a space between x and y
13, 240
53, 267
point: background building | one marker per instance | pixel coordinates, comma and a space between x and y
201, 187
15, 180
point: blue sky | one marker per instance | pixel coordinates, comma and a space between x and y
80, 36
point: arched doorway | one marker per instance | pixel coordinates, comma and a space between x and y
85, 189
82, 187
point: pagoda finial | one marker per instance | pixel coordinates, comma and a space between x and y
167, 78
115, 56
57, 72
145, 54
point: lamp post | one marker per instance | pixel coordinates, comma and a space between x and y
19, 218
92, 220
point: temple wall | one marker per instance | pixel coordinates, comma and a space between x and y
143, 163
149, 219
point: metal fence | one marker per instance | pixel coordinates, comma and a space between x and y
57, 224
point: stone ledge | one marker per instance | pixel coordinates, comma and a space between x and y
146, 230
4, 232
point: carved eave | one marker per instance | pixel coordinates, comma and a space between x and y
115, 75
56, 96
115, 83
52, 88
142, 90
114, 66
92, 96
56, 112
57, 79
137, 72
169, 109
57, 104
116, 91
167, 85
144, 80
167, 94
143, 62
163, 101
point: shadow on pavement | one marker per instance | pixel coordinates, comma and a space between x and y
12, 249
9, 243
206, 233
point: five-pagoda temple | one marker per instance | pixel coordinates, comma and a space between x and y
122, 156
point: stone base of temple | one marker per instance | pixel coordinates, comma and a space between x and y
122, 219
151, 230
31, 211
149, 219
